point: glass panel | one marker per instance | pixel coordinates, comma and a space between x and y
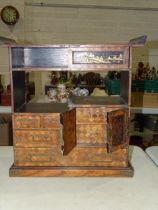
17, 57
39, 57
46, 57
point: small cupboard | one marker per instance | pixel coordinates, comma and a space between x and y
87, 135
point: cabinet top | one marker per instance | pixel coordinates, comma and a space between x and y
72, 57
139, 41
70, 45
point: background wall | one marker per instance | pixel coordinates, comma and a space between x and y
14, 32
49, 25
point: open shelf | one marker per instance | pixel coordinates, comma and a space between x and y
43, 108
43, 105
98, 101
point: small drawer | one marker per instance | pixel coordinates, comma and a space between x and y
50, 120
91, 133
36, 138
26, 121
36, 156
91, 115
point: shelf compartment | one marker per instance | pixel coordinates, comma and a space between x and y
112, 101
43, 108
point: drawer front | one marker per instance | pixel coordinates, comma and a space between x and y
27, 121
50, 120
86, 156
36, 138
80, 156
91, 115
36, 156
91, 133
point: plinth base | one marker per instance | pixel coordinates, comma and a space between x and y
51, 171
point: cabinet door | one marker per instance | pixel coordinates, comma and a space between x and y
69, 130
117, 130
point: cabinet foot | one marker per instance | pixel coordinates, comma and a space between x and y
52, 171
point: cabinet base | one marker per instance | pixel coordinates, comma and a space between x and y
42, 171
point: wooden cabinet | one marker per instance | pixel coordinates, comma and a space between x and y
87, 137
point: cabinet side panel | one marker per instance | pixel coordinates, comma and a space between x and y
125, 86
18, 88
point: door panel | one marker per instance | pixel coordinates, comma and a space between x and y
69, 130
117, 136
